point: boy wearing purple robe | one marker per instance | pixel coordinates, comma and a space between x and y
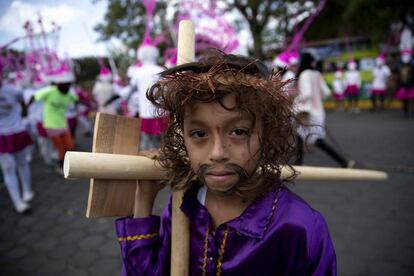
230, 133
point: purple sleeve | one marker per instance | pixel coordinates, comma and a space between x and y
321, 250
145, 244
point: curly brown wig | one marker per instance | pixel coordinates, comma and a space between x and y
258, 94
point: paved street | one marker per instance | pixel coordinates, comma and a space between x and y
371, 223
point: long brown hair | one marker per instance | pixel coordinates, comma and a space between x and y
258, 94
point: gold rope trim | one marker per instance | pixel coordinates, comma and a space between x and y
223, 245
273, 208
137, 237
205, 253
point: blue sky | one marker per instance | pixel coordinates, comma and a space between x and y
75, 17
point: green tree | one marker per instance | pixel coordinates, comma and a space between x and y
125, 20
372, 18
270, 22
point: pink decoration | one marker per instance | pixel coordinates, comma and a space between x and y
286, 58
149, 8
299, 35
282, 60
211, 27
291, 55
104, 71
147, 41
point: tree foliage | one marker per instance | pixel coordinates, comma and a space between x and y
125, 20
270, 22
370, 18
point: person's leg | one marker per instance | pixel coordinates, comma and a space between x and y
348, 103
68, 141
45, 149
145, 143
59, 146
321, 143
405, 108
374, 102
32, 130
382, 101
155, 141
72, 123
85, 125
357, 103
8, 167
23, 169
352, 103
299, 151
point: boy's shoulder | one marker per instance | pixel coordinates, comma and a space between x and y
293, 209
296, 217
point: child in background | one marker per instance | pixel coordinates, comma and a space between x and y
338, 90
56, 100
230, 133
352, 86
152, 126
15, 143
35, 121
405, 84
103, 91
381, 74
312, 90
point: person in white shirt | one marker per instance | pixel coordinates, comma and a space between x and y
338, 90
310, 110
405, 82
381, 73
15, 142
103, 91
143, 77
352, 86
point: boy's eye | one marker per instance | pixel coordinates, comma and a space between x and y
198, 134
240, 131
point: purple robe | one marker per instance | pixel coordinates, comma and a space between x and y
278, 234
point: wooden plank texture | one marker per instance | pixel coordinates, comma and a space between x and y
113, 134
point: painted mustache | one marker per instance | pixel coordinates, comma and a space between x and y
227, 168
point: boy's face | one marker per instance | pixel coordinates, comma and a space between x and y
222, 145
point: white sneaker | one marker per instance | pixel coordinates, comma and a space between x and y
21, 207
28, 196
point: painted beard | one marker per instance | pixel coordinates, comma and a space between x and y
242, 174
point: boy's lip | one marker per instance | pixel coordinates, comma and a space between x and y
220, 173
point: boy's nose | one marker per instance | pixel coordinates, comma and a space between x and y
219, 149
